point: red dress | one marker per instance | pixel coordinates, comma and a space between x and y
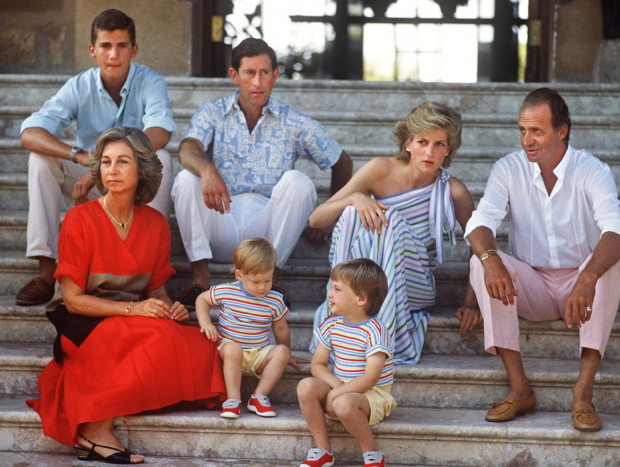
125, 365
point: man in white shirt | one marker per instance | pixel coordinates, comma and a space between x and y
565, 244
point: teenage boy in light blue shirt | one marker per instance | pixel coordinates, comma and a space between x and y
115, 93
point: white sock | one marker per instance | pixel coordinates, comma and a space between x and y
373, 456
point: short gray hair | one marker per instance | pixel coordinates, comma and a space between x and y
149, 165
429, 116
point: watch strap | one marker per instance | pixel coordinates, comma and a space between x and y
74, 151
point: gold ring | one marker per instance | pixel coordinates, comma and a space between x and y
588, 308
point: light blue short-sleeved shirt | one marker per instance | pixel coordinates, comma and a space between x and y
254, 163
83, 99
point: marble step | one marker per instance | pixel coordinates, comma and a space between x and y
14, 190
13, 225
375, 127
15, 157
19, 324
21, 459
306, 95
472, 164
409, 436
304, 279
438, 380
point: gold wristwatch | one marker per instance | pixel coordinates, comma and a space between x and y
487, 254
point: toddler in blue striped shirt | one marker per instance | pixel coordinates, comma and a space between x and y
249, 310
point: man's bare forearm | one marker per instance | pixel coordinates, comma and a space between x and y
41, 141
481, 240
604, 256
192, 156
158, 136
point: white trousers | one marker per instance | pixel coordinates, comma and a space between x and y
49, 178
207, 234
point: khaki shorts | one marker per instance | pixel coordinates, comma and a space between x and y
381, 404
252, 358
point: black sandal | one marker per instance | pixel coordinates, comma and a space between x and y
85, 454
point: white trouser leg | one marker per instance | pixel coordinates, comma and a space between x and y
292, 200
192, 215
48, 179
207, 234
162, 201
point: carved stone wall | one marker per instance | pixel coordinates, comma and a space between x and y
52, 36
36, 36
578, 34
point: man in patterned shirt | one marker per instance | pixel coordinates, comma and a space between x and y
239, 179
117, 92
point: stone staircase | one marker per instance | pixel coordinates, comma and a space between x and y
442, 400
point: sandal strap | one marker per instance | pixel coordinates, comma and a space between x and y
95, 445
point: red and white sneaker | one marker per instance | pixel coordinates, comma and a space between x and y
260, 405
374, 459
230, 408
318, 458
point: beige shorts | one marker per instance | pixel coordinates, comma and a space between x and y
252, 358
381, 404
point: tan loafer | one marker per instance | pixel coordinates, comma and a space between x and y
509, 408
585, 417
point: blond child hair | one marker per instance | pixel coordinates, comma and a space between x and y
254, 256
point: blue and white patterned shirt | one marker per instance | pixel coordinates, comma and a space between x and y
255, 162
83, 98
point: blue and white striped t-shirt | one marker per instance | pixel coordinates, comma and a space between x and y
352, 344
243, 317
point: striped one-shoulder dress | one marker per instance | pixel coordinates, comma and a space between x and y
407, 251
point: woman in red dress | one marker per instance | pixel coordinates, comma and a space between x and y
120, 347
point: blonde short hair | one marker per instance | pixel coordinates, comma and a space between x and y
254, 255
366, 279
149, 165
429, 116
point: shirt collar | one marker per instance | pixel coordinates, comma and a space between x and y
273, 106
126, 84
560, 169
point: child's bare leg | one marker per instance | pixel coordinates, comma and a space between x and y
272, 369
312, 393
353, 410
231, 354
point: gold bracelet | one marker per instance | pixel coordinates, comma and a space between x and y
128, 308
487, 254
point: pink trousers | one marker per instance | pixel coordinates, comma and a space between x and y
542, 295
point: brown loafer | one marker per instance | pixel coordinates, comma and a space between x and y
35, 292
509, 408
585, 417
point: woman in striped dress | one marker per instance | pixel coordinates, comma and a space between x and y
395, 211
